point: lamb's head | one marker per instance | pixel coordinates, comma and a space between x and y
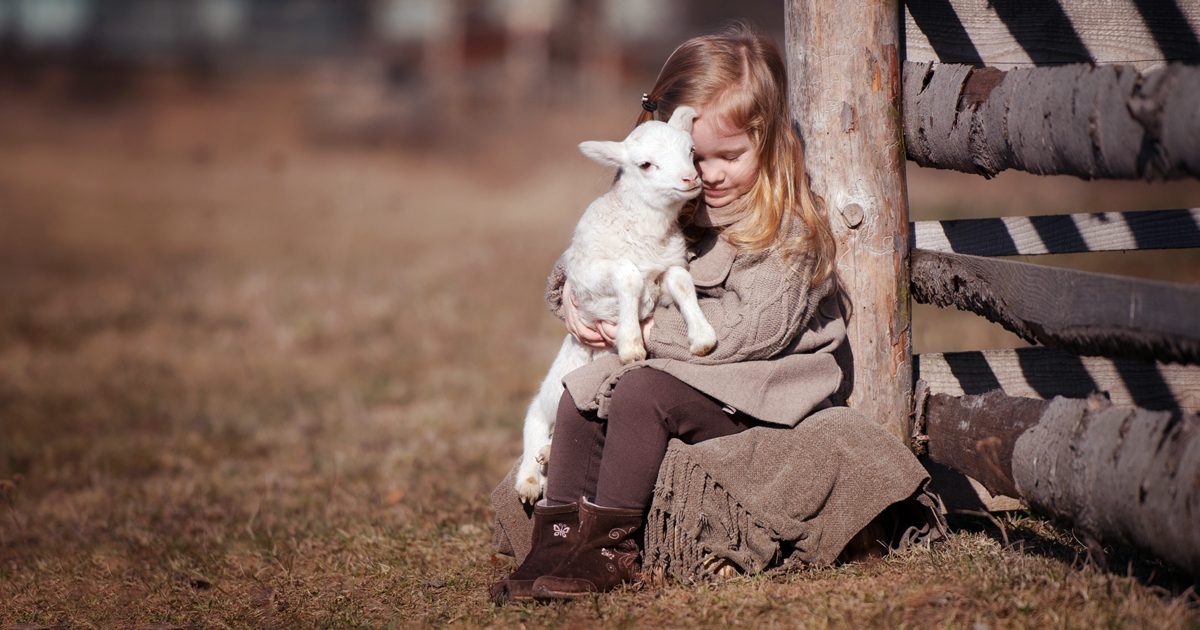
655, 160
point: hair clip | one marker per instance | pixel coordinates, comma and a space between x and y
648, 104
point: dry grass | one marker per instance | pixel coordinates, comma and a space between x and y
246, 381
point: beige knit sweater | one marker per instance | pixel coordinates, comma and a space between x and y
775, 335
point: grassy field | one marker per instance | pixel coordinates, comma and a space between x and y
249, 380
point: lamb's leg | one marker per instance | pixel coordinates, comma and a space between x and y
539, 420
627, 283
681, 288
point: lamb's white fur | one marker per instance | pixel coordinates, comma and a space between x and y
627, 247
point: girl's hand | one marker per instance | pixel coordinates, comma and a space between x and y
608, 330
584, 334
604, 335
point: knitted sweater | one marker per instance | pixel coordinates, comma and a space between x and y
775, 335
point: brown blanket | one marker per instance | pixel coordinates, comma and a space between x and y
767, 497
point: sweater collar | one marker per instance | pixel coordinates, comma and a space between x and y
714, 259
724, 216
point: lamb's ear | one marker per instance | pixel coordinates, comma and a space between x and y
610, 153
682, 118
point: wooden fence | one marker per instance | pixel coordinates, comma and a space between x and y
1098, 423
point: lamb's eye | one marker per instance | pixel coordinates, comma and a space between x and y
645, 166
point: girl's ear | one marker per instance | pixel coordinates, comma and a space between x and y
609, 153
682, 118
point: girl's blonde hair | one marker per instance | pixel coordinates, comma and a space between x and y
738, 73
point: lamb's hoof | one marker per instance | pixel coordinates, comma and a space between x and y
632, 356
543, 456
701, 348
703, 341
529, 488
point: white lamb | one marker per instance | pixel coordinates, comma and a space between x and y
627, 247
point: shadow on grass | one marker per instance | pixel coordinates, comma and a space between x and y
1025, 532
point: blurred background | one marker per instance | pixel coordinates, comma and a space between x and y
271, 278
378, 71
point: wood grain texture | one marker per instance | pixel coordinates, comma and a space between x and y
1145, 34
975, 434
844, 81
1089, 121
1106, 122
1119, 475
1060, 233
1039, 372
1086, 313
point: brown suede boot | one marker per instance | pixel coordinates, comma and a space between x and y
554, 530
605, 555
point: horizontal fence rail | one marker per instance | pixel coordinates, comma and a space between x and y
1093, 122
1096, 90
1012, 33
1086, 313
1039, 372
1060, 233
1118, 474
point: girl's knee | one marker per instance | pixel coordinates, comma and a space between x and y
566, 406
641, 381
639, 395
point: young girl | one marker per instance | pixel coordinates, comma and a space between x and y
762, 262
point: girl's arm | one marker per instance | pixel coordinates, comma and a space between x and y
764, 307
554, 289
594, 338
564, 305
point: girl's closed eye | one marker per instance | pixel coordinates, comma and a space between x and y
725, 158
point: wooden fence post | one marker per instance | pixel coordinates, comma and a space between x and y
844, 84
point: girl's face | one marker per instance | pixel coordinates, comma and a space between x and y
726, 159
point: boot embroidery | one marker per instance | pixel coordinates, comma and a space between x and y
618, 532
561, 530
608, 553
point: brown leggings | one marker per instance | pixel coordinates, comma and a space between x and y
617, 460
